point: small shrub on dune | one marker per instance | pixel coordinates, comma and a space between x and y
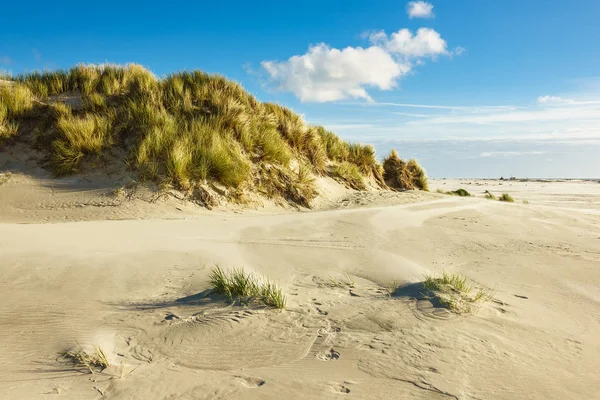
506, 197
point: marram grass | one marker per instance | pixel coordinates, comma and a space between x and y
185, 130
237, 283
453, 291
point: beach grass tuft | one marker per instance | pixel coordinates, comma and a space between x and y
95, 361
405, 175
453, 291
237, 283
506, 197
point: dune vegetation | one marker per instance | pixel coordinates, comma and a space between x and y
237, 284
400, 174
453, 291
187, 130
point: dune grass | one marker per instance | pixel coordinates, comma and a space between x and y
453, 291
401, 174
350, 174
96, 361
506, 197
185, 130
15, 101
237, 283
343, 282
489, 195
459, 192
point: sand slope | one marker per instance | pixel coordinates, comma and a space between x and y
138, 288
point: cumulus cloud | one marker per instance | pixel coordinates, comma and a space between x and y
328, 74
420, 9
426, 42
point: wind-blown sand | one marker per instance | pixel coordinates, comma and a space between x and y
137, 287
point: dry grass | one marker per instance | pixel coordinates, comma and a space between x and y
96, 361
237, 283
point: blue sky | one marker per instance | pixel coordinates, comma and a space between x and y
469, 87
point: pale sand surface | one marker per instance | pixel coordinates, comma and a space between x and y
132, 286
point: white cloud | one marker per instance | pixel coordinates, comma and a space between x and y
486, 154
328, 74
556, 100
552, 99
425, 43
420, 9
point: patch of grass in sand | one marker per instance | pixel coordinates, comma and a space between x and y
94, 361
489, 195
460, 193
237, 283
525, 201
344, 282
506, 197
453, 291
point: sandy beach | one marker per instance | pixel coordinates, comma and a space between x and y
138, 287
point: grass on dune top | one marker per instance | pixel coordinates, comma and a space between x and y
186, 129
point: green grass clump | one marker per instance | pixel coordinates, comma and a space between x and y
94, 361
489, 195
460, 193
506, 197
15, 101
350, 174
187, 130
453, 291
400, 174
336, 148
77, 137
237, 283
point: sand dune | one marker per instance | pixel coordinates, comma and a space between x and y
138, 288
